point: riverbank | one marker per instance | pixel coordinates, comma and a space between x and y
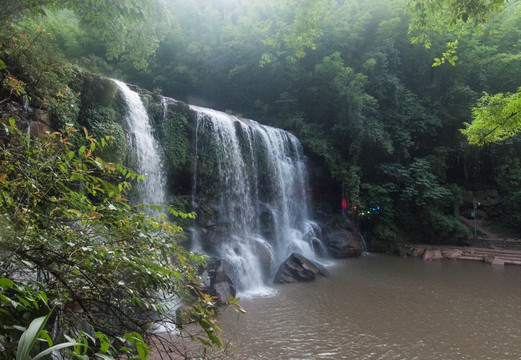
489, 255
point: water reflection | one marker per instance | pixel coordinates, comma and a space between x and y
382, 307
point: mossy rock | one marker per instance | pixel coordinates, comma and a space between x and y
98, 91
176, 141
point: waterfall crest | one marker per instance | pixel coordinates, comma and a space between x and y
146, 149
255, 179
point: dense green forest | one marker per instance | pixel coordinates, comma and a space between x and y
377, 92
380, 122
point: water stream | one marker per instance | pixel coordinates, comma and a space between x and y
145, 148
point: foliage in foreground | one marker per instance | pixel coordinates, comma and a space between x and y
75, 254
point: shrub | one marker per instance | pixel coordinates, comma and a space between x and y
66, 227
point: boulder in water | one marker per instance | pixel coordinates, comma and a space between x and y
297, 268
263, 252
343, 243
224, 291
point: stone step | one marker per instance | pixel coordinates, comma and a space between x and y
480, 251
457, 253
492, 256
499, 254
472, 258
514, 256
513, 262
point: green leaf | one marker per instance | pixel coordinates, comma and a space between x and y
215, 339
204, 342
30, 336
104, 341
2, 65
45, 336
74, 211
103, 356
56, 347
6, 283
79, 344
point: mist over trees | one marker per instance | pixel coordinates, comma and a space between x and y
378, 115
379, 92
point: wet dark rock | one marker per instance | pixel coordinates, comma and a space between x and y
37, 128
42, 116
342, 238
218, 271
263, 252
217, 281
224, 291
343, 243
297, 268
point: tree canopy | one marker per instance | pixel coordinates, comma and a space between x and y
130, 27
496, 117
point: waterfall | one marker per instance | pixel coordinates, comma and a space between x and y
249, 190
254, 178
146, 151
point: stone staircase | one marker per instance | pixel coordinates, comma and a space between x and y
492, 256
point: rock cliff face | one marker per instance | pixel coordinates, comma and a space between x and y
36, 121
485, 203
246, 182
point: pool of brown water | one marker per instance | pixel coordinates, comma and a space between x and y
385, 307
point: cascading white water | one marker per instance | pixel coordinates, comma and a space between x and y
147, 161
256, 177
253, 180
147, 151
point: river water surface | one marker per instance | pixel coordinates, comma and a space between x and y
384, 307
